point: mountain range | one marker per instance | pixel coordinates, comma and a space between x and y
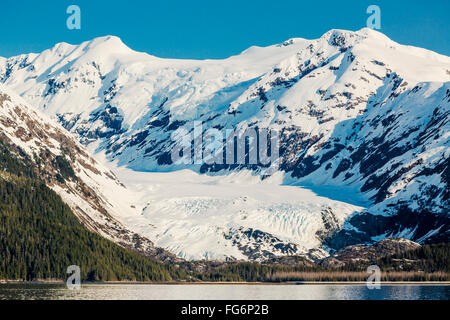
363, 128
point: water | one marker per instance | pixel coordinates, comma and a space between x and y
224, 292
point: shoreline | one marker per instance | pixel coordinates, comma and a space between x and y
41, 282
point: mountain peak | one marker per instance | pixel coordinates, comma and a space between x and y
344, 37
107, 44
110, 39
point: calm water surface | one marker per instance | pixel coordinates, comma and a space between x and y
223, 292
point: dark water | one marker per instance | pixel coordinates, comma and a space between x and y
223, 292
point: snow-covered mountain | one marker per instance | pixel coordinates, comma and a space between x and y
356, 112
90, 189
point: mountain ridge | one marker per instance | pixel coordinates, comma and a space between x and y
68, 169
353, 109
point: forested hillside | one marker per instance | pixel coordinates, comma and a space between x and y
40, 236
427, 263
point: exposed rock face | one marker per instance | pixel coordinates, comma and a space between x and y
258, 245
330, 224
422, 225
369, 253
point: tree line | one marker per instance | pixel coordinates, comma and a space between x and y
40, 237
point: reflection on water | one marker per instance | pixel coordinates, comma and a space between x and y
224, 292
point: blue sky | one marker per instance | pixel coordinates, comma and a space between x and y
214, 29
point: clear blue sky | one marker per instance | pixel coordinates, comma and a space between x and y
214, 29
